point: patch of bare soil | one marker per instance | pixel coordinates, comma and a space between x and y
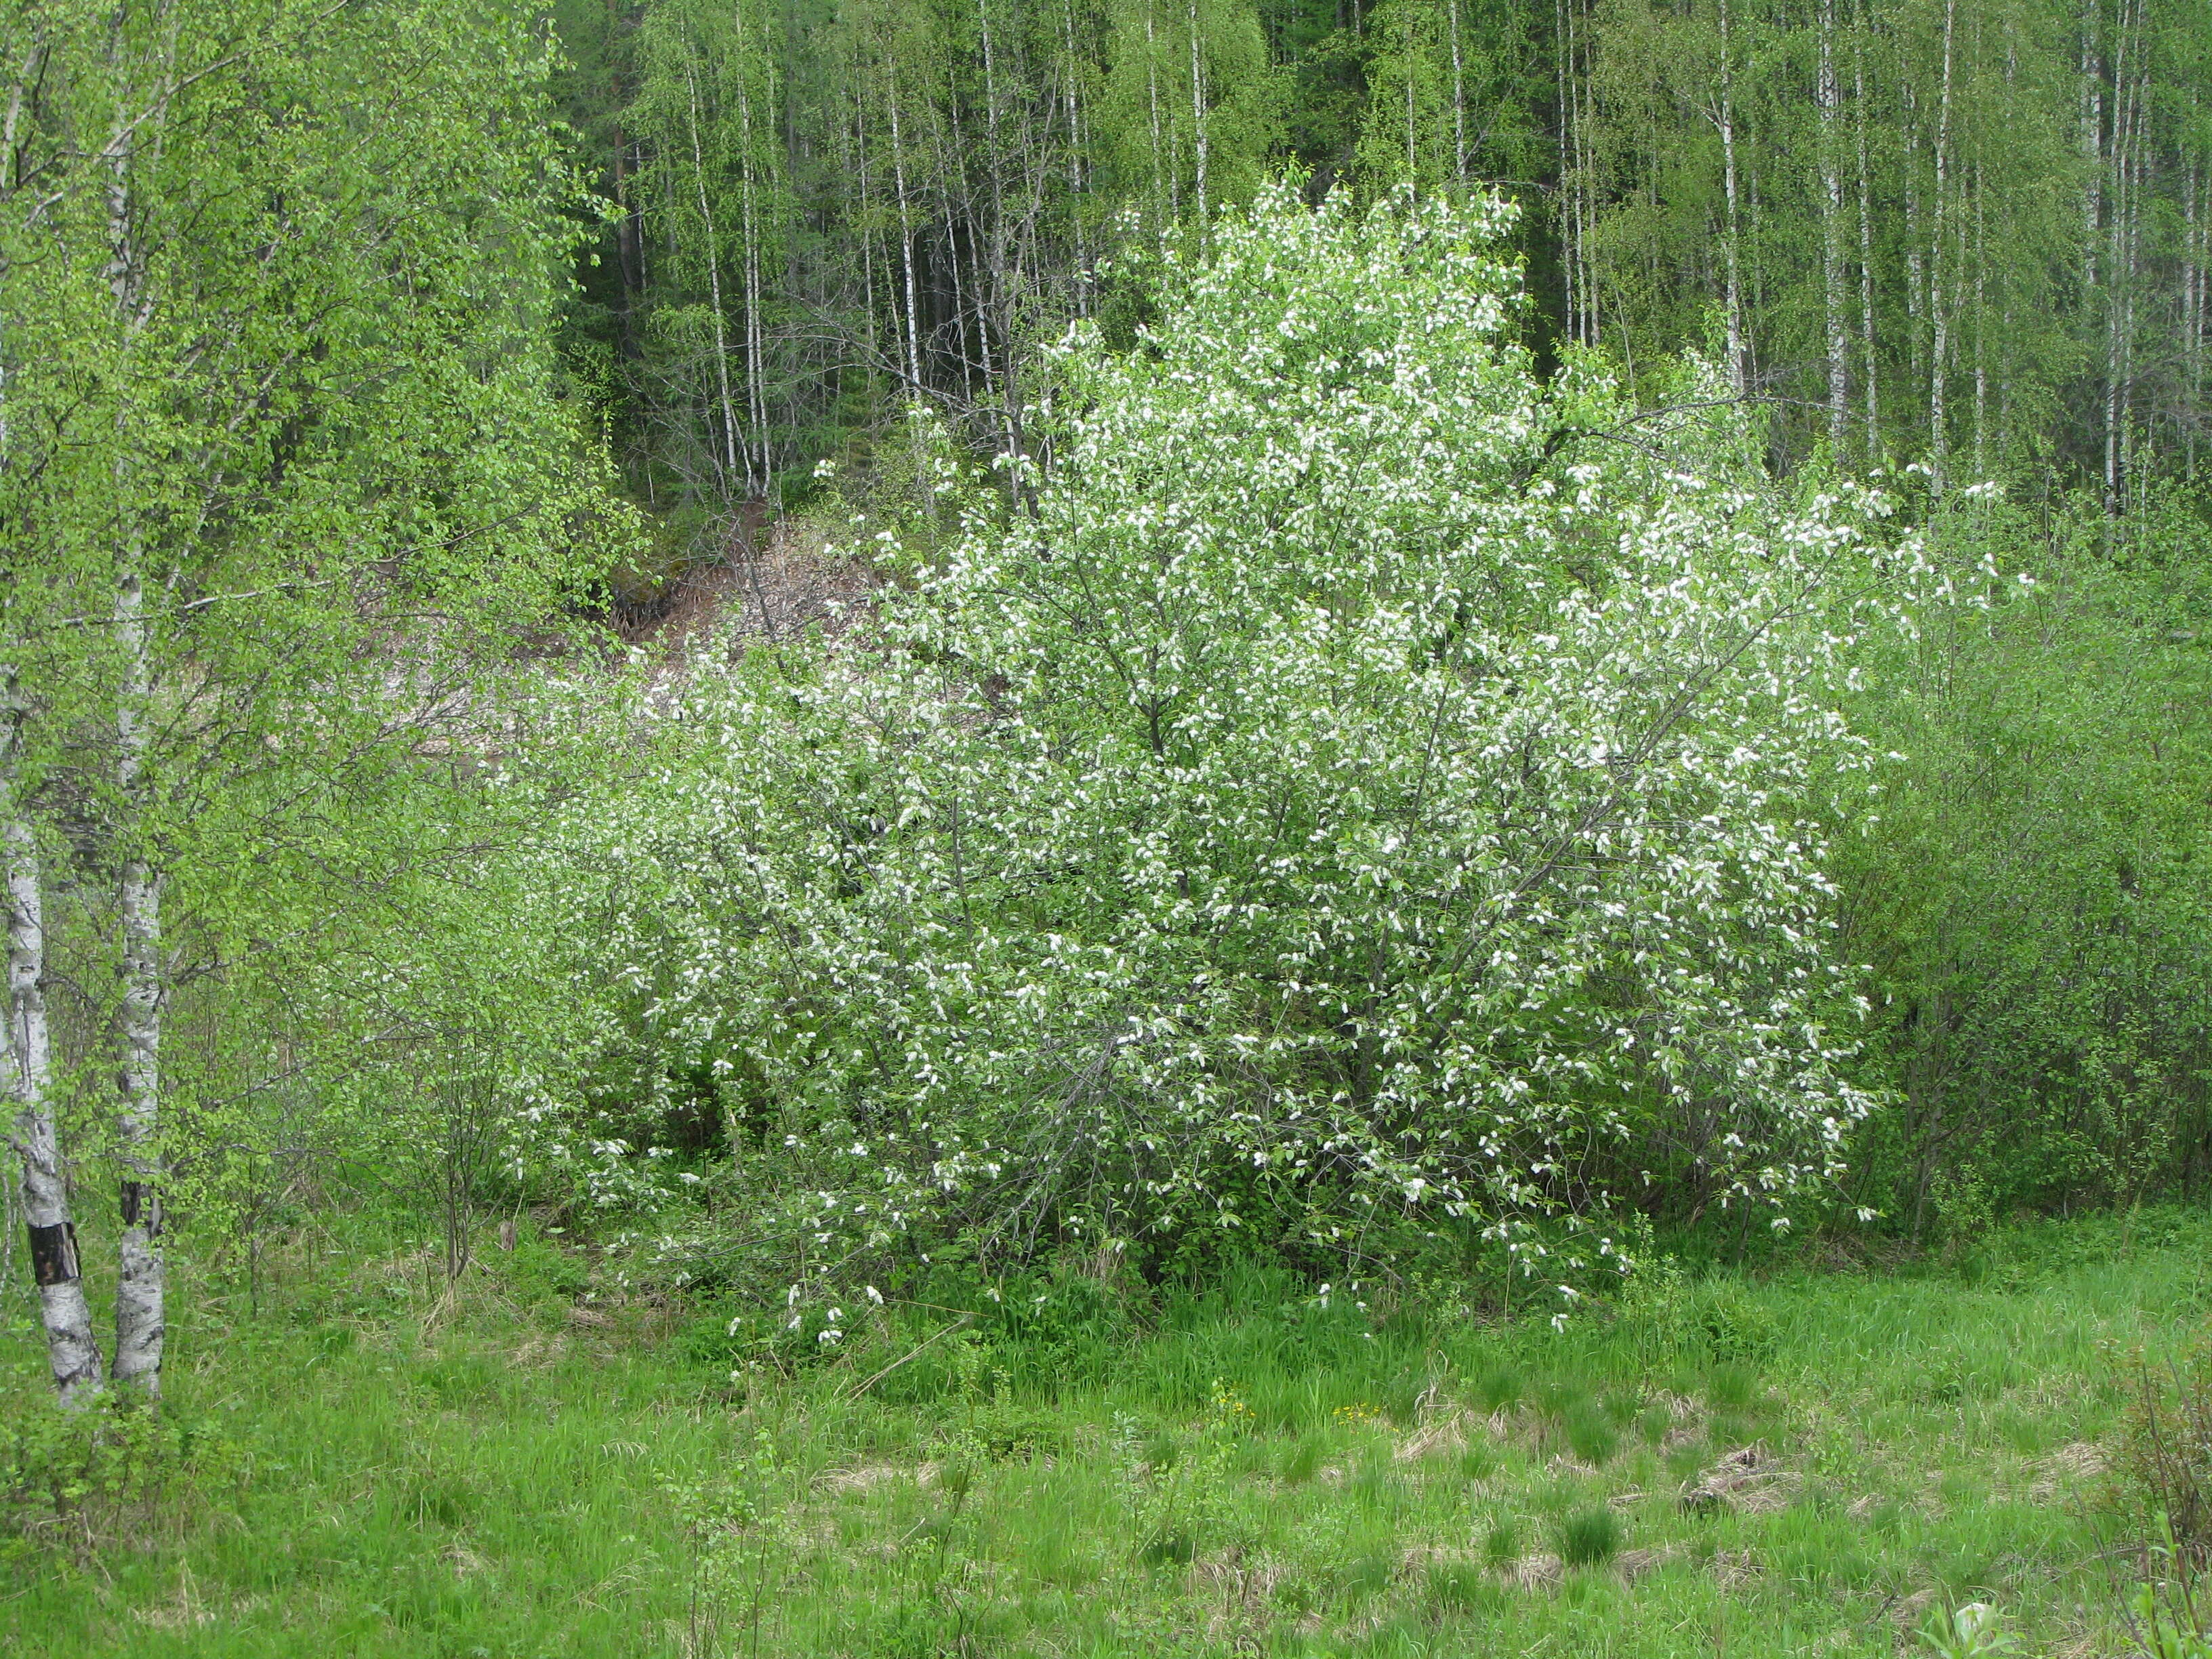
772, 582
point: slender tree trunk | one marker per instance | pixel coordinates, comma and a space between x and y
1199, 141
1981, 263
1075, 149
141, 1276
141, 1292
1832, 239
758, 461
1586, 170
955, 216
1938, 305
1569, 220
730, 469
2131, 266
1459, 95
867, 220
1865, 245
1163, 166
72, 1351
1916, 254
993, 307
1413, 150
1734, 276
2116, 263
2093, 144
2193, 307
905, 240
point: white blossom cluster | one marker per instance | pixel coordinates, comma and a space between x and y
1352, 774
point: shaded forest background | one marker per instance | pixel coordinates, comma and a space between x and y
1971, 237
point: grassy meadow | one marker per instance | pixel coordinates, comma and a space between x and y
357, 1460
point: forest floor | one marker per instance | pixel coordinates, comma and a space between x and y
1812, 1463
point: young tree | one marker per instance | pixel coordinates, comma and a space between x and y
299, 266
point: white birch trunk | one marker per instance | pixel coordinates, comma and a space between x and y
1939, 308
1981, 330
757, 458
2116, 273
714, 287
1162, 163
141, 1273
2135, 164
1916, 256
996, 300
1413, 150
1832, 226
1586, 176
1866, 245
1075, 148
72, 1351
1569, 209
1198, 118
905, 240
140, 1288
1734, 274
2092, 145
1459, 97
2192, 308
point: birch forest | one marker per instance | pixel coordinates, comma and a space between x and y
912, 827
1970, 238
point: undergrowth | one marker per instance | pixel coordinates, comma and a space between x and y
537, 1464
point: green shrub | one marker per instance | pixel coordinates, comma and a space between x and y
98, 1469
2164, 1461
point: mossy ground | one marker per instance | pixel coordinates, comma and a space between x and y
1809, 1463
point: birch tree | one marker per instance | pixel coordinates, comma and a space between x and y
72, 1349
307, 382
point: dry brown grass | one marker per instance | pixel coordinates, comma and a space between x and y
772, 583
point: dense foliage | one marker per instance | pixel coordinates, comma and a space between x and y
1975, 235
283, 464
1338, 784
1470, 631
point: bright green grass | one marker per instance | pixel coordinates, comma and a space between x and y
514, 1478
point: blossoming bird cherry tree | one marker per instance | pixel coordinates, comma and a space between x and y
1354, 775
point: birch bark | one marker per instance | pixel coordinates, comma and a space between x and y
72, 1351
906, 235
141, 1290
1866, 243
1735, 278
713, 284
758, 460
1198, 117
1939, 306
141, 1274
1832, 239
